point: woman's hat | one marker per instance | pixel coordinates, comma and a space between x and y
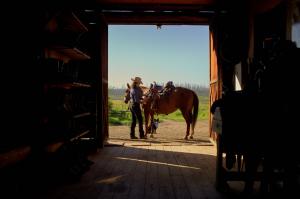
137, 80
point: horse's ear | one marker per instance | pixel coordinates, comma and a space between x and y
128, 86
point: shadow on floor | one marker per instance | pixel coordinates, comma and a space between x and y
121, 172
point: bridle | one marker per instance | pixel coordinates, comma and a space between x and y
127, 96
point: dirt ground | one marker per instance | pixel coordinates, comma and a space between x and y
168, 133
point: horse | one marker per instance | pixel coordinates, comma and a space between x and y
180, 98
127, 92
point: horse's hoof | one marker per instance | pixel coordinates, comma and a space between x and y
191, 137
145, 136
186, 138
151, 136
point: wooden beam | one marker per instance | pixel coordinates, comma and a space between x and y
162, 18
177, 2
262, 6
156, 7
157, 4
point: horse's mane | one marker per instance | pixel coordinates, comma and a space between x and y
145, 89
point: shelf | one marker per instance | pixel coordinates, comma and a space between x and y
67, 86
79, 136
68, 21
65, 54
53, 147
81, 85
14, 156
68, 117
82, 115
73, 23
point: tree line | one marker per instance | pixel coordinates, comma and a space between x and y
200, 90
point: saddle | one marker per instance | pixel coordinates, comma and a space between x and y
168, 89
159, 91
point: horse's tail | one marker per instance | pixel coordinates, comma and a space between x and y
195, 110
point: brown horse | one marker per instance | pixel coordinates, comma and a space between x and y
180, 98
127, 92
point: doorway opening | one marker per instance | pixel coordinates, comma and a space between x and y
158, 53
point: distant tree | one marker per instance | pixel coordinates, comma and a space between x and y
118, 93
110, 104
200, 90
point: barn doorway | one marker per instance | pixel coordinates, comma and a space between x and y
158, 53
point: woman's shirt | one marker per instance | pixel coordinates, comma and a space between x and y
136, 94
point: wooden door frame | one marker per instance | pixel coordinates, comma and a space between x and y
119, 20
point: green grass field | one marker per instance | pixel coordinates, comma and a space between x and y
120, 115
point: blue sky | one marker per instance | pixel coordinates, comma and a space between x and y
172, 53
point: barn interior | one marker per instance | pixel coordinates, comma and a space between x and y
56, 97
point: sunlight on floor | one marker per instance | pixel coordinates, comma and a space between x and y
160, 163
204, 150
110, 180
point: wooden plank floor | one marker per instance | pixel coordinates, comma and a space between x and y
136, 169
161, 167
150, 171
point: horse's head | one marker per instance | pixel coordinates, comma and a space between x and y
127, 94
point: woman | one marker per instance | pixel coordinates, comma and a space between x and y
136, 94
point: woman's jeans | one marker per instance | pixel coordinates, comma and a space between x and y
136, 113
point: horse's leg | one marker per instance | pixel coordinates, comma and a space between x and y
151, 124
187, 121
146, 114
190, 119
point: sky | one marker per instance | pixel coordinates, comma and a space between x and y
296, 33
178, 53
